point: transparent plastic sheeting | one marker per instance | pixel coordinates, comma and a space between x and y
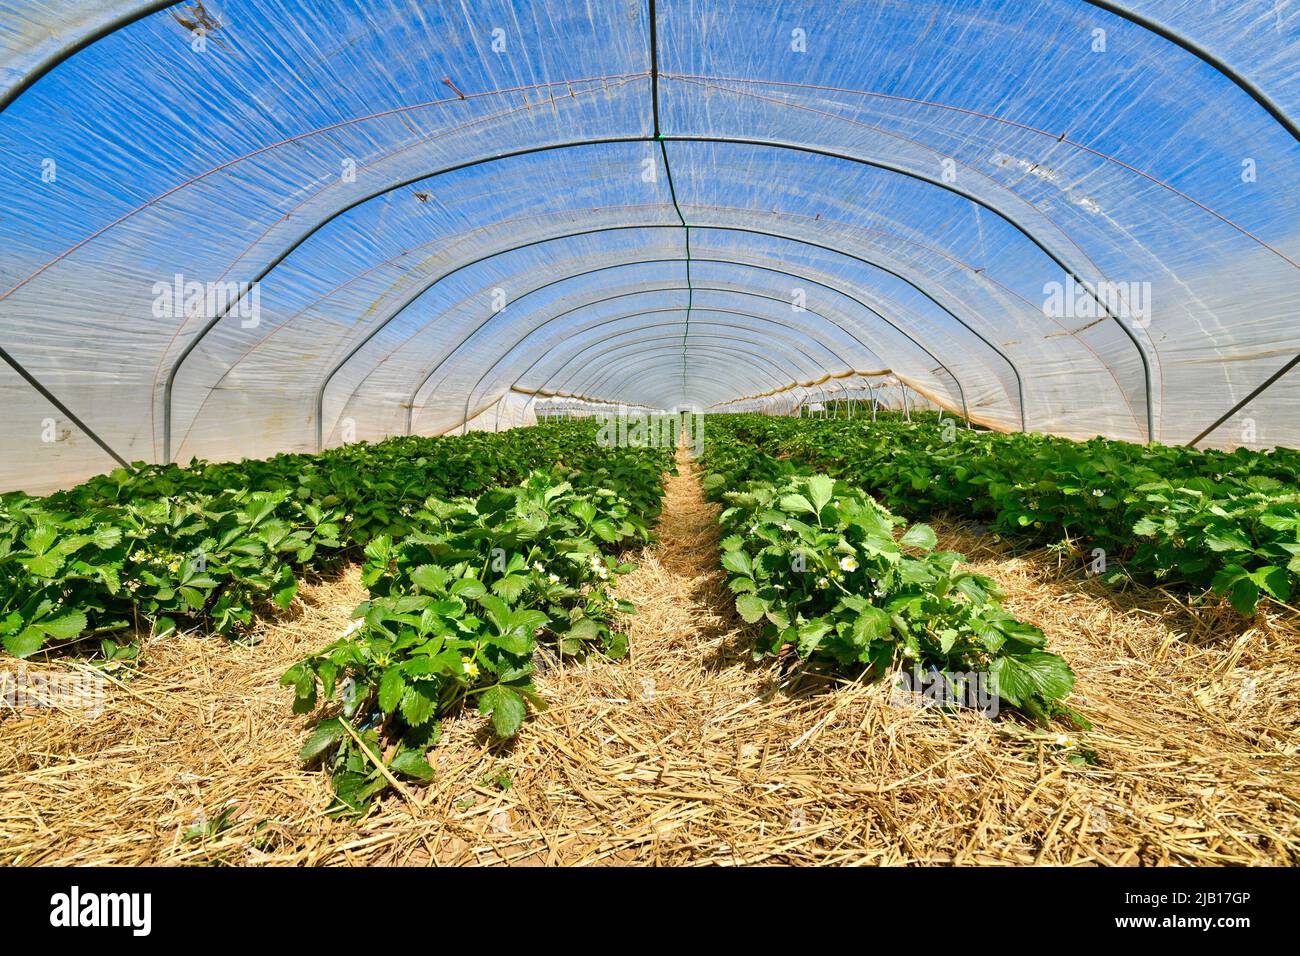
439, 214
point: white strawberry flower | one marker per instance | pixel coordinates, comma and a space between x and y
848, 563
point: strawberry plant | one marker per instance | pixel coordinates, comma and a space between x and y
817, 563
1206, 519
203, 546
458, 608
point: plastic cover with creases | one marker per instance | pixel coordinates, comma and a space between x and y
239, 227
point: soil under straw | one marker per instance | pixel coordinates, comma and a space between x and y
689, 753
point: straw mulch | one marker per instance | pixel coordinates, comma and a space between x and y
689, 753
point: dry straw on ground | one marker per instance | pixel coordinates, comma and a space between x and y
689, 753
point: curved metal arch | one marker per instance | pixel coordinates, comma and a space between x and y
666, 355
670, 357
392, 316
766, 337
612, 140
723, 373
537, 360
266, 270
464, 339
780, 339
666, 358
707, 349
604, 379
656, 370
410, 405
1162, 30
766, 358
623, 334
415, 392
1222, 66
75, 45
624, 342
646, 291
984, 204
624, 317
618, 346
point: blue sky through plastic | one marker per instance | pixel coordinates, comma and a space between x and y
930, 157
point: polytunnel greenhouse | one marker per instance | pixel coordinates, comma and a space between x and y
672, 432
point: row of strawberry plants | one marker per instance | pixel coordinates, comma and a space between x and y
1227, 521
817, 562
164, 546
457, 611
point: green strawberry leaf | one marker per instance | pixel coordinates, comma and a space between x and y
391, 688
506, 707
751, 608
